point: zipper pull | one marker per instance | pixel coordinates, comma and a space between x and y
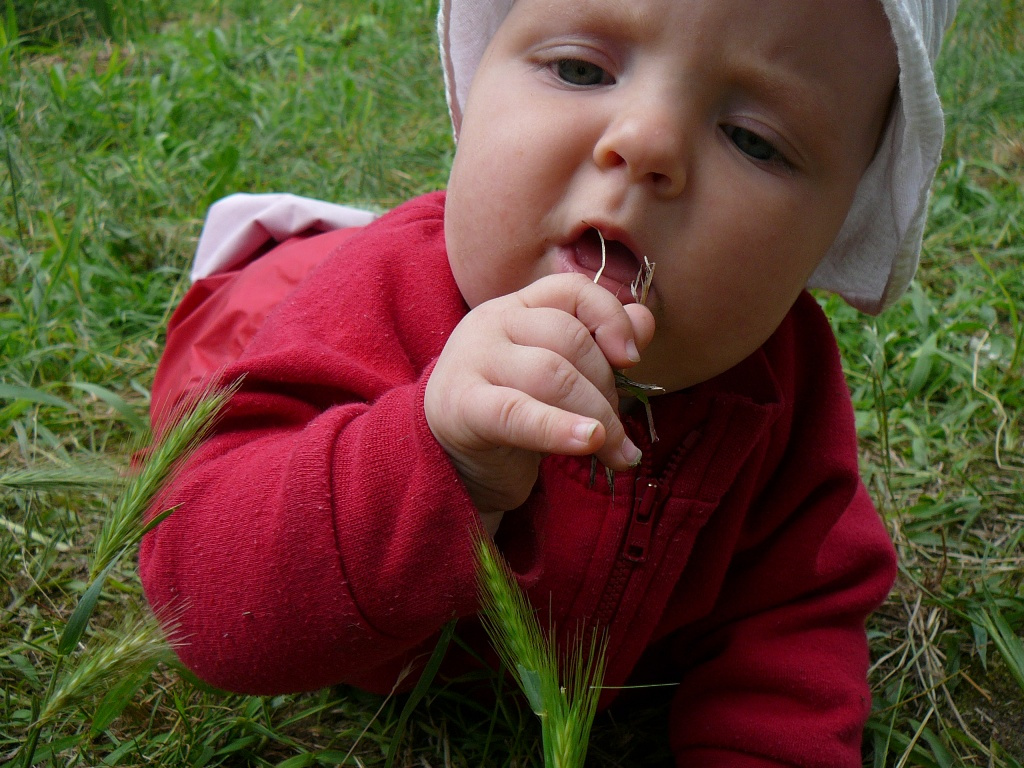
641, 523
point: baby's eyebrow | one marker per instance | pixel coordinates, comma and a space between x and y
609, 18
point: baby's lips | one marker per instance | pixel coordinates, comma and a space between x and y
611, 261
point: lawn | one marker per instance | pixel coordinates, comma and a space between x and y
122, 121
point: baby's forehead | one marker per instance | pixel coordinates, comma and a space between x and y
626, 16
816, 33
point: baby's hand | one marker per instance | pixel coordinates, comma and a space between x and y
529, 374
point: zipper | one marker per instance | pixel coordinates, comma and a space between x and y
649, 496
646, 502
639, 532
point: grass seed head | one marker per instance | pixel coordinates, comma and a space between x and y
563, 691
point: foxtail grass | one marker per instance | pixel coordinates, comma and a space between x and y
562, 689
77, 477
82, 669
117, 656
126, 525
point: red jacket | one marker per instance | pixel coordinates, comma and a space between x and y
324, 537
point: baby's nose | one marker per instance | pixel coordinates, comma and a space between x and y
651, 143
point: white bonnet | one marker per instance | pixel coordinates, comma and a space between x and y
876, 252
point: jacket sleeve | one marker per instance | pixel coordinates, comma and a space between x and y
322, 534
775, 673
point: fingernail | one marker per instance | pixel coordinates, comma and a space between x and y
584, 431
632, 352
631, 453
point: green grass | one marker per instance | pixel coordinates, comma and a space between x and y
562, 685
110, 151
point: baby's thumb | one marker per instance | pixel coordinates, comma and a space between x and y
643, 324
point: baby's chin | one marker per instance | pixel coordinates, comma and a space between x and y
668, 378
674, 369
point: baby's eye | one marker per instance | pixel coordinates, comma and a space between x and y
749, 143
579, 72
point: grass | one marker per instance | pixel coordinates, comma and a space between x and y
562, 686
115, 137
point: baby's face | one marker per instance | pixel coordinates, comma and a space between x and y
722, 140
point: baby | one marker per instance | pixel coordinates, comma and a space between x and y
451, 365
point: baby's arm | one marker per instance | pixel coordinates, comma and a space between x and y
323, 535
529, 374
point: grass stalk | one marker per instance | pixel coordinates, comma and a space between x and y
562, 689
143, 645
125, 526
15, 202
117, 656
77, 477
96, 671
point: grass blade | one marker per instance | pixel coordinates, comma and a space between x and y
79, 620
1009, 645
16, 392
117, 698
422, 686
115, 401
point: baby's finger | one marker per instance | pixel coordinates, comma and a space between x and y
643, 324
549, 345
549, 379
599, 311
507, 416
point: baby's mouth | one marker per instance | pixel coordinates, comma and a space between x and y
616, 264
